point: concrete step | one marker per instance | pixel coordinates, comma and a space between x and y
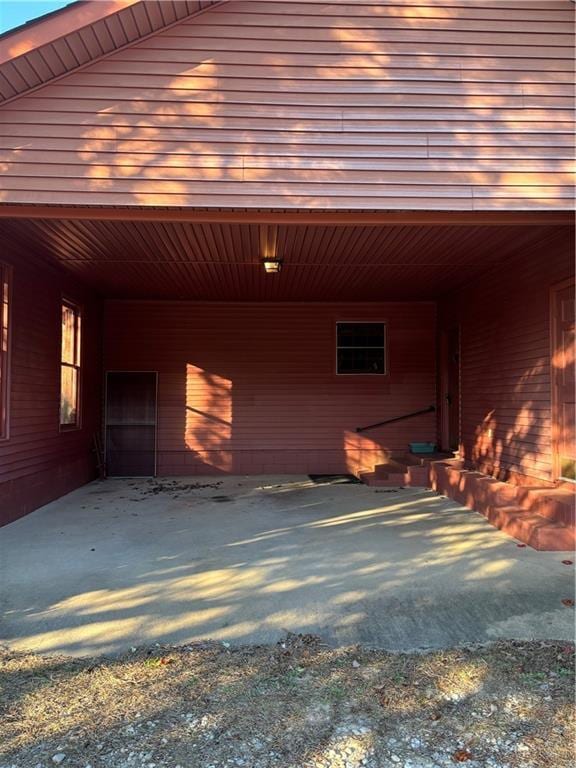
391, 480
419, 477
464, 486
537, 531
543, 517
390, 467
399, 470
558, 505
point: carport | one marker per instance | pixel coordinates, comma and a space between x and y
255, 238
193, 359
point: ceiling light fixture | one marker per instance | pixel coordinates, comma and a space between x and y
272, 265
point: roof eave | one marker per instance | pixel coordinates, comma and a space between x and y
46, 30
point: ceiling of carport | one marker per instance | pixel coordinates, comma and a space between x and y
222, 261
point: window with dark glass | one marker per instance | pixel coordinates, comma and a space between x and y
70, 366
5, 274
361, 348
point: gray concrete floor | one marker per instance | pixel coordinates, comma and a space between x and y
124, 563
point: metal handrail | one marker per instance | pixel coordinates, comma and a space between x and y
430, 409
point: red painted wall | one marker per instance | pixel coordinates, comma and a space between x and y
250, 388
38, 462
504, 320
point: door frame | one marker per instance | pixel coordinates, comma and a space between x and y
444, 382
554, 403
105, 415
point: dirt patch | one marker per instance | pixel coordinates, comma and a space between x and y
175, 488
291, 705
335, 479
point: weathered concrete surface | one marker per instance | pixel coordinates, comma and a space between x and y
123, 563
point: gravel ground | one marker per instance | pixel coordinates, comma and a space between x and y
297, 704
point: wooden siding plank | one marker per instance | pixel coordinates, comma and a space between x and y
370, 33
181, 141
347, 199
468, 80
298, 119
350, 59
385, 48
301, 155
305, 16
244, 170
110, 164
330, 93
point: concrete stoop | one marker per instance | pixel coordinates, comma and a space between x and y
400, 471
542, 517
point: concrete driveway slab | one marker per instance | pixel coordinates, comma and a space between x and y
123, 563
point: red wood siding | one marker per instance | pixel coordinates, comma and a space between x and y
504, 322
250, 388
38, 462
411, 104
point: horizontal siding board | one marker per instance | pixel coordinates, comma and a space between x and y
230, 87
361, 62
454, 79
303, 17
379, 103
334, 47
248, 170
325, 159
212, 111
127, 127
302, 32
281, 201
182, 141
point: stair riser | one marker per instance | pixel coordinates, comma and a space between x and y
392, 481
551, 540
419, 477
397, 481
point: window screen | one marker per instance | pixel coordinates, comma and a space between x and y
361, 348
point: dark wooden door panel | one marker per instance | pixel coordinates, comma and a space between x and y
450, 389
131, 424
